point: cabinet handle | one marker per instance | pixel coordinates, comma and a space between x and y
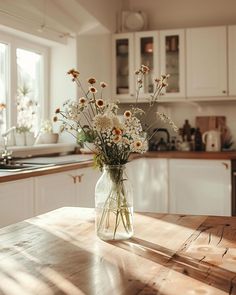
74, 178
131, 94
224, 91
79, 177
226, 165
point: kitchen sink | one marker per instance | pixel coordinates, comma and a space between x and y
40, 162
13, 167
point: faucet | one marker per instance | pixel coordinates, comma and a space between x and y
6, 154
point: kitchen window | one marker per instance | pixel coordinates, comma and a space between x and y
23, 83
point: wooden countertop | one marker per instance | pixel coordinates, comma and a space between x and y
59, 253
229, 155
10, 176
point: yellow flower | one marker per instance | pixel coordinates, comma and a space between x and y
117, 131
127, 114
92, 81
74, 73
92, 89
103, 84
100, 103
82, 100
117, 138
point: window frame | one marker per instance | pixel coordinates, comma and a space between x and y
13, 43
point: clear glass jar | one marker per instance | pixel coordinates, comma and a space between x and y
114, 204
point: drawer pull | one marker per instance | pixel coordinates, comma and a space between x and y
226, 165
79, 177
74, 178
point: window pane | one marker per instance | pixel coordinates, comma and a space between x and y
3, 85
28, 88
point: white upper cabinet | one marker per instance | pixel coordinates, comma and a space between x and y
232, 60
147, 53
123, 66
206, 62
172, 49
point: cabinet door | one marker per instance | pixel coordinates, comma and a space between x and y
173, 61
123, 66
16, 201
206, 62
86, 182
201, 187
54, 191
150, 184
147, 53
232, 60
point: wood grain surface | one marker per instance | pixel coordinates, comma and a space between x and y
59, 253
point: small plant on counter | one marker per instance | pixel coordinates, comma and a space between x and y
22, 129
46, 126
26, 109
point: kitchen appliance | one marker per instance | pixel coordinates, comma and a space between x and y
159, 145
206, 123
212, 140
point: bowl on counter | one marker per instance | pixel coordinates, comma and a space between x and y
47, 138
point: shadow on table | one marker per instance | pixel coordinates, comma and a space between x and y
202, 271
222, 227
34, 260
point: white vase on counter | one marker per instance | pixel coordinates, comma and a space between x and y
19, 139
29, 138
47, 138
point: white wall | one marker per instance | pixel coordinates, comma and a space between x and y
94, 58
63, 58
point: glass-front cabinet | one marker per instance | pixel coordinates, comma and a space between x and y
123, 66
172, 47
147, 53
162, 51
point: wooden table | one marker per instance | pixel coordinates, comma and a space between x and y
59, 253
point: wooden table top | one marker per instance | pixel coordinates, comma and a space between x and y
59, 253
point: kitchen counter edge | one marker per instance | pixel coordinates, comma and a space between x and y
8, 176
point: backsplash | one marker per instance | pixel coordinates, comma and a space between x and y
180, 111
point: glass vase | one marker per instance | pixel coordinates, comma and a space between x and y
114, 204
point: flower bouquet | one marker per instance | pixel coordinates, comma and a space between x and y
115, 137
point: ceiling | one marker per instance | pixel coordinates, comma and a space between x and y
53, 19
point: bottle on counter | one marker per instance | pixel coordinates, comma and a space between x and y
198, 140
187, 130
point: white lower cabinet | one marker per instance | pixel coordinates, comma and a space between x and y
71, 188
16, 201
54, 191
201, 187
149, 178
86, 182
